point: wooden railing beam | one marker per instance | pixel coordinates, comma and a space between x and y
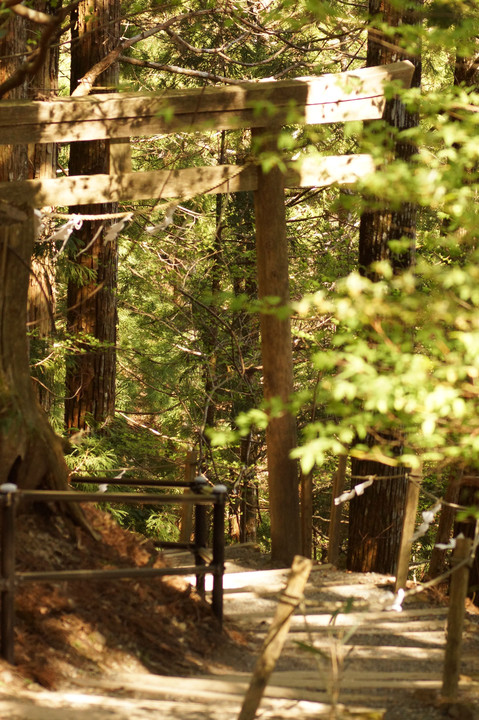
353, 95
184, 183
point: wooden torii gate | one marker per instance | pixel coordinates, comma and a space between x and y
264, 107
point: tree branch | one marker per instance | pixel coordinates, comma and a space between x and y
220, 53
34, 61
86, 83
34, 15
179, 70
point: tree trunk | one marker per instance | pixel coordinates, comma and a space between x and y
30, 452
469, 497
249, 496
376, 516
378, 228
92, 306
41, 294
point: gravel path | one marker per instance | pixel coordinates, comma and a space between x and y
391, 661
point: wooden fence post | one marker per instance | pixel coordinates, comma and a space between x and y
445, 524
120, 156
186, 522
409, 521
339, 479
274, 641
307, 514
455, 618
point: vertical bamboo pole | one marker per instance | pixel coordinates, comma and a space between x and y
339, 480
410, 512
277, 355
455, 618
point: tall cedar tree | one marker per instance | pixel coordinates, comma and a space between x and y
30, 453
375, 518
41, 297
92, 306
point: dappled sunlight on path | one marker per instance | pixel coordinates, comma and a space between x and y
388, 661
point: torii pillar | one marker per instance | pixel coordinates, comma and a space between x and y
277, 356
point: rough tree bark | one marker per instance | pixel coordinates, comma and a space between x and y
376, 516
30, 452
41, 296
469, 497
92, 307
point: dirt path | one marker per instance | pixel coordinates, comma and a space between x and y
388, 660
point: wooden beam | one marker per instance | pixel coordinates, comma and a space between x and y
407, 532
339, 480
446, 523
306, 484
455, 618
184, 183
186, 522
120, 156
277, 356
85, 189
274, 641
318, 171
352, 95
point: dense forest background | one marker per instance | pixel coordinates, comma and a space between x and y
144, 324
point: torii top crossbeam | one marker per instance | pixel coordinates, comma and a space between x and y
353, 95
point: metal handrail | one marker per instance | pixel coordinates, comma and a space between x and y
133, 482
10, 579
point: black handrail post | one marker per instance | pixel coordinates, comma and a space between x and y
219, 493
201, 532
7, 621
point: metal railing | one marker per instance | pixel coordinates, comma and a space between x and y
201, 496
